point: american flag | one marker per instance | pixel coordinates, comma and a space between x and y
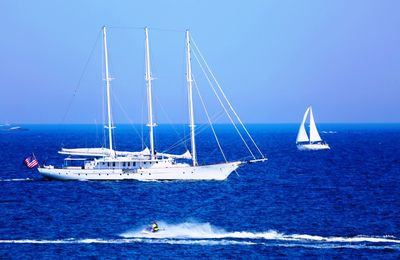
31, 162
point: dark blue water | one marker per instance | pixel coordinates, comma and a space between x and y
338, 203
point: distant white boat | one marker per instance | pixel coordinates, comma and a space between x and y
312, 142
146, 165
8, 127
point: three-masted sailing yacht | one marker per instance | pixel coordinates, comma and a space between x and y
314, 142
146, 165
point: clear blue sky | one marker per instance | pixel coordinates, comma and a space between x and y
273, 58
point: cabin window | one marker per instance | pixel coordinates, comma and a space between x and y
113, 164
124, 164
129, 164
133, 164
108, 164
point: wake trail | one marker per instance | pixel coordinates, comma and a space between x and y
26, 179
207, 235
207, 231
201, 242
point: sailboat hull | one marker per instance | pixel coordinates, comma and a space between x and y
205, 172
313, 146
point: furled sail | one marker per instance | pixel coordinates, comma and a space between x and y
302, 135
185, 155
314, 135
86, 151
102, 152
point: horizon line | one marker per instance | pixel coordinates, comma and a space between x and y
227, 123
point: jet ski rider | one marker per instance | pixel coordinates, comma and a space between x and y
154, 227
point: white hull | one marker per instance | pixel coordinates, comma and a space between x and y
309, 146
206, 172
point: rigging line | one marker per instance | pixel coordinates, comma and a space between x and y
166, 115
142, 128
185, 139
97, 133
125, 114
142, 117
79, 84
176, 144
103, 77
142, 27
81, 78
226, 99
126, 27
209, 120
223, 106
201, 129
166, 29
115, 143
103, 116
181, 141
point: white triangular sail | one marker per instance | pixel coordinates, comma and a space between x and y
302, 135
314, 135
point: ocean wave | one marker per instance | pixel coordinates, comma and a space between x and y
207, 235
26, 179
205, 242
207, 231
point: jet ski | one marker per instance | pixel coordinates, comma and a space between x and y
151, 230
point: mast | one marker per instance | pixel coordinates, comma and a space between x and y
149, 97
108, 91
190, 98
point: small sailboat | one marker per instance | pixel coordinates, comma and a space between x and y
101, 163
312, 142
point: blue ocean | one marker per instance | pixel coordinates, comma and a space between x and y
337, 203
